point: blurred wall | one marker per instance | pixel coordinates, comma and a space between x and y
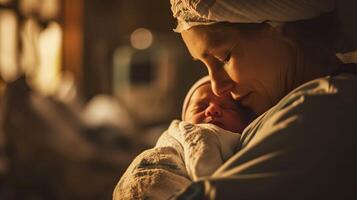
108, 25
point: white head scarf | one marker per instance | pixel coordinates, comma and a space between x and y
202, 12
191, 13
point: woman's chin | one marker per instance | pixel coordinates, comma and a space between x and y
261, 108
256, 105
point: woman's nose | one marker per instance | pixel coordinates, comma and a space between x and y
221, 83
213, 110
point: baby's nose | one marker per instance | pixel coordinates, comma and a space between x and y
213, 110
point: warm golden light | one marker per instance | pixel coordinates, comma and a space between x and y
8, 45
141, 38
4, 2
29, 60
49, 9
48, 74
29, 6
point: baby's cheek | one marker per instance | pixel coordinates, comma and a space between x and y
189, 117
195, 119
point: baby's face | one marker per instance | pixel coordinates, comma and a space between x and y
205, 107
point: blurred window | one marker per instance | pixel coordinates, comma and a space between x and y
8, 44
29, 58
142, 71
31, 42
47, 75
5, 2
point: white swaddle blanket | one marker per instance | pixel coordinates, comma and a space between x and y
184, 153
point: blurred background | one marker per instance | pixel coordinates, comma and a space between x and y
85, 85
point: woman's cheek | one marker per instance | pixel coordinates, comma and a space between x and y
243, 69
234, 70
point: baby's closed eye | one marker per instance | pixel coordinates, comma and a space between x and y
198, 107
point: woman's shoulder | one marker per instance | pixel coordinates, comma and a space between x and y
341, 84
324, 104
324, 93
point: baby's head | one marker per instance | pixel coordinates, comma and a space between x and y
202, 106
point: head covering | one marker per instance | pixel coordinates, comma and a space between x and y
202, 12
191, 13
204, 80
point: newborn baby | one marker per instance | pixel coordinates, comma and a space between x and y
188, 149
202, 106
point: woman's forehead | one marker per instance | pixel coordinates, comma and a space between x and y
201, 40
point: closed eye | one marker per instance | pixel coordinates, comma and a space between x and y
227, 58
199, 107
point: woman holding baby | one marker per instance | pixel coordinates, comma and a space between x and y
278, 60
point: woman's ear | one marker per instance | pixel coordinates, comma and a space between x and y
283, 31
277, 27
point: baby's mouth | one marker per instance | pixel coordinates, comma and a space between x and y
217, 123
214, 121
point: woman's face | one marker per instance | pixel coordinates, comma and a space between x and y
252, 65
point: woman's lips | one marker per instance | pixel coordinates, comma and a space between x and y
246, 97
